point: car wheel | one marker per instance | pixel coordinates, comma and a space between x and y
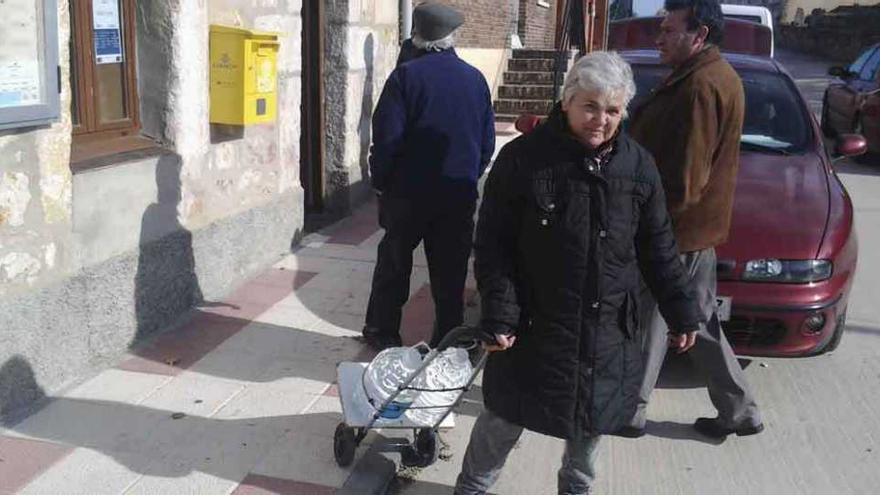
825, 121
832, 344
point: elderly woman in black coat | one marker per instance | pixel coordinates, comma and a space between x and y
573, 217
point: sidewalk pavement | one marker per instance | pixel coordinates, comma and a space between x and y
239, 399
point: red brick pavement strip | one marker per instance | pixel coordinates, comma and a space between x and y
332, 391
175, 351
256, 484
417, 323
357, 228
22, 460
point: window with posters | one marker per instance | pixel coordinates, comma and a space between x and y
29, 91
103, 78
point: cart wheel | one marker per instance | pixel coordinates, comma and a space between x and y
427, 446
344, 445
423, 452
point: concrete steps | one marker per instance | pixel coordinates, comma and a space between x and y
528, 85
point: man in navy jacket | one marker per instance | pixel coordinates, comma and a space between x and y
433, 136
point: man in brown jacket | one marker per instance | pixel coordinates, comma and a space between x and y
692, 125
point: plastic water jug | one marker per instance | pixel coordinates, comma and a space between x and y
392, 367
388, 370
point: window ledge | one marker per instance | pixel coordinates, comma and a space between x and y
108, 152
543, 3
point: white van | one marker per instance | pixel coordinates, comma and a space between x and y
752, 13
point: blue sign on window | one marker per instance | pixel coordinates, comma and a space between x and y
108, 46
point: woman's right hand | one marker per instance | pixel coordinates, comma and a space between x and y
504, 342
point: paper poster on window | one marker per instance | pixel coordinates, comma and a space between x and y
108, 35
20, 54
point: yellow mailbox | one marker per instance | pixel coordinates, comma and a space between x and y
243, 76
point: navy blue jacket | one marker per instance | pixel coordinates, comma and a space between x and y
433, 129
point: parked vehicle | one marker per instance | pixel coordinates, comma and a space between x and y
751, 13
739, 36
852, 101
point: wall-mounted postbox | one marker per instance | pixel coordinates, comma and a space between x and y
244, 87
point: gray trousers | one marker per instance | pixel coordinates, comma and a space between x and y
728, 389
493, 438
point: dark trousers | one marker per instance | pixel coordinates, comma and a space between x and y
728, 389
447, 230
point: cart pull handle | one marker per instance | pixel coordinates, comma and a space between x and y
464, 336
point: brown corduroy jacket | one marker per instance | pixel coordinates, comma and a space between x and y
692, 125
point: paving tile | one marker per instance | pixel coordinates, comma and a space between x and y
284, 279
338, 324
193, 483
193, 394
22, 460
101, 425
291, 313
417, 323
356, 228
255, 484
306, 263
305, 457
86, 471
178, 349
119, 386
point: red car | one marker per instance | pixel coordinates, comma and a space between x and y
785, 274
852, 101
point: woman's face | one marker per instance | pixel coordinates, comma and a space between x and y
594, 117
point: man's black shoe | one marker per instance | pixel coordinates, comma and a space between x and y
630, 432
712, 427
379, 340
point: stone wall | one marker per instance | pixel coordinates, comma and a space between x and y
94, 262
834, 44
361, 46
35, 193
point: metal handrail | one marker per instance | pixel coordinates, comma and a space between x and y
572, 34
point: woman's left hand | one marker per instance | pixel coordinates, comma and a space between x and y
504, 342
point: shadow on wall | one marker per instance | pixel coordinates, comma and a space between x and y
166, 284
19, 390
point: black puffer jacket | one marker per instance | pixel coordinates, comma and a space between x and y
559, 247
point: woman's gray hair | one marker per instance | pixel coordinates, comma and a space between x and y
605, 72
434, 46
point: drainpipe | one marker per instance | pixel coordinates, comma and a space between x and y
406, 10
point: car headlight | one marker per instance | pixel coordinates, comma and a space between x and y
787, 271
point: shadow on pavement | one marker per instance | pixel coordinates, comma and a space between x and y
678, 431
151, 442
869, 166
246, 350
407, 487
863, 330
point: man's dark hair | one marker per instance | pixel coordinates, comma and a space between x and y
702, 13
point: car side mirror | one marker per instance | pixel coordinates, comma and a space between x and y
527, 122
848, 145
840, 72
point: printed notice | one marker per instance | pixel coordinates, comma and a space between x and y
20, 49
108, 35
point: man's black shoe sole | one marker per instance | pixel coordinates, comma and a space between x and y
630, 432
713, 432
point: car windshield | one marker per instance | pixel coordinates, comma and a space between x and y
775, 118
